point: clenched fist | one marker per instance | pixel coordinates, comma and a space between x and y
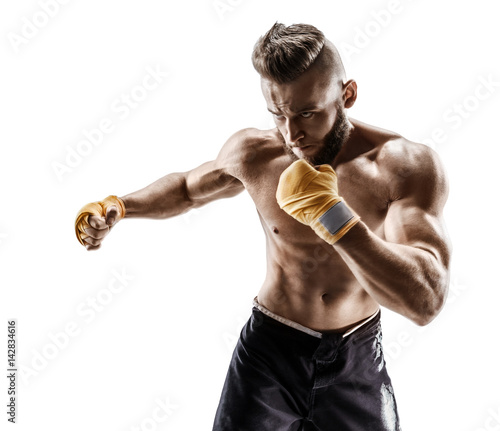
311, 197
95, 220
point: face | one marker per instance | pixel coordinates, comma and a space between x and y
310, 116
331, 145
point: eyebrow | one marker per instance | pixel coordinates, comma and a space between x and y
305, 109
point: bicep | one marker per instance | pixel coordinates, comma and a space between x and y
209, 182
416, 218
221, 178
409, 224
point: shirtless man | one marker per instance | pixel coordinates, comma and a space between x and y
353, 221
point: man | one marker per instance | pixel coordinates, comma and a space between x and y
353, 220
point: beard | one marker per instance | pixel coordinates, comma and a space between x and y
332, 142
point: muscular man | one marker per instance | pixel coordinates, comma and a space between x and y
353, 221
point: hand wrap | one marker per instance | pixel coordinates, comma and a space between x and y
98, 209
311, 197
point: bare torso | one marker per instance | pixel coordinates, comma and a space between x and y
397, 256
307, 281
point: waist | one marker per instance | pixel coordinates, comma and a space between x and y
318, 334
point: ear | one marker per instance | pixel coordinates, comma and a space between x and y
350, 93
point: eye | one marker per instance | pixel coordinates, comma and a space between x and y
277, 116
307, 114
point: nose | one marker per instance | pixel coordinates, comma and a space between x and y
293, 132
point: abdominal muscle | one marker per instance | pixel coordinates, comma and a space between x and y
309, 283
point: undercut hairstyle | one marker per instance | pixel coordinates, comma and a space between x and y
284, 53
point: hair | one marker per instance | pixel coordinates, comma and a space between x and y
284, 53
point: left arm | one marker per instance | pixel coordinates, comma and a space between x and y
408, 272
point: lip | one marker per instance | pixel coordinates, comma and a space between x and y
302, 150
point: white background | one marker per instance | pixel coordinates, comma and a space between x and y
169, 333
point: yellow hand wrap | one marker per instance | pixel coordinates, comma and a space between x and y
98, 209
311, 197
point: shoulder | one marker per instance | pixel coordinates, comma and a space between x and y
409, 158
415, 169
248, 148
408, 166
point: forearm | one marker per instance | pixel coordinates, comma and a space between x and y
408, 280
166, 197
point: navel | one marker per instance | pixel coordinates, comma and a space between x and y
275, 230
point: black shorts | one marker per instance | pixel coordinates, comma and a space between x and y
285, 379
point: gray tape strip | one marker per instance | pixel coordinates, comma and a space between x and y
336, 217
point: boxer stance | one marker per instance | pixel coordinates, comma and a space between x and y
352, 215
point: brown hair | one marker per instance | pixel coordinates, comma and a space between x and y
284, 53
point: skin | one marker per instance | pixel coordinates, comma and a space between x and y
397, 256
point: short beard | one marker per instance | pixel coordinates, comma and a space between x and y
332, 143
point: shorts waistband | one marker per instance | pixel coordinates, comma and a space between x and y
302, 328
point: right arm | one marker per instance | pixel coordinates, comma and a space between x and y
177, 193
